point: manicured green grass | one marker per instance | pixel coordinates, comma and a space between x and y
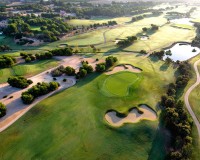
184, 26
35, 28
85, 22
27, 69
71, 125
162, 38
120, 84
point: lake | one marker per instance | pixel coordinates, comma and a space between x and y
182, 52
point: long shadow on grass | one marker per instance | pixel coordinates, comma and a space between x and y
91, 77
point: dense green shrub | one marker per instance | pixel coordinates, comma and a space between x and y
19, 82
110, 61
58, 71
101, 67
2, 110
6, 61
62, 52
69, 71
38, 90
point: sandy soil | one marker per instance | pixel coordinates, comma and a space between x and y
132, 117
15, 107
126, 67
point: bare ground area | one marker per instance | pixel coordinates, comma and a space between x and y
125, 67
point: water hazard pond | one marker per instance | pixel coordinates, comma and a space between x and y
182, 52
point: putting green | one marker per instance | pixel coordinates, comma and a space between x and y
119, 84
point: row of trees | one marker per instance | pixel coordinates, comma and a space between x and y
85, 69
177, 121
31, 57
185, 74
153, 28
95, 25
2, 110
137, 18
62, 52
6, 61
47, 55
19, 82
126, 42
38, 90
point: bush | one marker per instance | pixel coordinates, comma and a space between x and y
110, 61
83, 73
27, 98
101, 67
2, 110
6, 61
28, 59
58, 71
19, 82
38, 90
69, 71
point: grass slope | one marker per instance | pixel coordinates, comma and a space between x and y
27, 70
70, 124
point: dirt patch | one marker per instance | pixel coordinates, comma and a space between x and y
134, 116
125, 67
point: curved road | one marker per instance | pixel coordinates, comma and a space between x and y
186, 98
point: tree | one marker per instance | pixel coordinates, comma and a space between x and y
144, 29
2, 110
27, 98
101, 67
110, 61
83, 73
69, 71
170, 102
53, 86
11, 29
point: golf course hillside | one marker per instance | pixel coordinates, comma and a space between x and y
99, 80
134, 115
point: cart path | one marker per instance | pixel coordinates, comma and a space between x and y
187, 94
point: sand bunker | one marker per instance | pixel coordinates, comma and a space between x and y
144, 38
134, 116
126, 67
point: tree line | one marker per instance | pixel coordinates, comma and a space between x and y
176, 120
85, 69
126, 42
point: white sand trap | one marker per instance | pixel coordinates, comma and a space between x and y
144, 38
133, 116
126, 67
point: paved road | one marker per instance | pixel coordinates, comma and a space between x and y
186, 98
